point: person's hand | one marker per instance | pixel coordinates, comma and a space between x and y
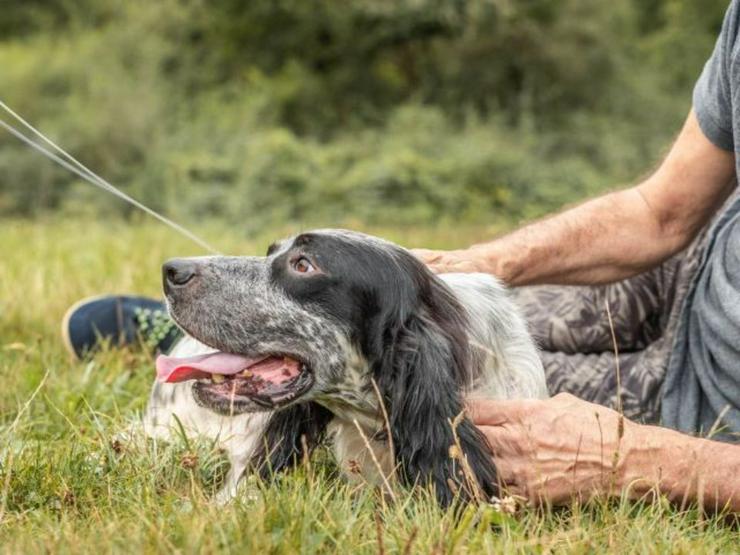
552, 450
462, 260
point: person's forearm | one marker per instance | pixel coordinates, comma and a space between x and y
683, 468
606, 239
617, 235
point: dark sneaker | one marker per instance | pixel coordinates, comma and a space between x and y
120, 320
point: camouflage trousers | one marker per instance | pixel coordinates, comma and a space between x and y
571, 326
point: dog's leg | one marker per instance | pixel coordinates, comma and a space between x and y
231, 484
240, 435
172, 410
352, 452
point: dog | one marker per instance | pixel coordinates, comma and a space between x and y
346, 337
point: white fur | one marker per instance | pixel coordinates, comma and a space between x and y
498, 334
238, 435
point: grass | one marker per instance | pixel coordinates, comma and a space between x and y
70, 484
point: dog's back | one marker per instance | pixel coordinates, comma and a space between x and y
498, 333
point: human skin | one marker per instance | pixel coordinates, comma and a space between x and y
606, 239
615, 236
555, 450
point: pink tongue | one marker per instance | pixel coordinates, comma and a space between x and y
172, 369
275, 369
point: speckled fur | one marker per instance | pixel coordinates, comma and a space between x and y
235, 307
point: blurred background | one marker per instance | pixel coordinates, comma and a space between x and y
353, 112
433, 123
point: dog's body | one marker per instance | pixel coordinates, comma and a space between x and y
438, 340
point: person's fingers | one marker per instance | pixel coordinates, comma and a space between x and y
503, 452
426, 255
505, 442
511, 474
434, 260
496, 412
438, 268
507, 478
515, 490
484, 412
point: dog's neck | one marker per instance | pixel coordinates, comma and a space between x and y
351, 396
353, 406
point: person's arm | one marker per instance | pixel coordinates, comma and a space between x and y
558, 449
614, 236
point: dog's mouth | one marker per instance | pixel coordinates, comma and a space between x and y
232, 384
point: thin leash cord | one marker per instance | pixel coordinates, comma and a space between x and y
79, 169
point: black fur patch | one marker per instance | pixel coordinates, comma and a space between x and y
288, 434
422, 369
412, 330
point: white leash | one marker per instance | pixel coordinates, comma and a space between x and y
79, 169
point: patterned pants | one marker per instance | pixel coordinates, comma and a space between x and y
571, 326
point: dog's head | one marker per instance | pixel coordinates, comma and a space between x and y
317, 319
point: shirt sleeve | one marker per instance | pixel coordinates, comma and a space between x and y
712, 94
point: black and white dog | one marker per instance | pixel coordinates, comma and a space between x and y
305, 343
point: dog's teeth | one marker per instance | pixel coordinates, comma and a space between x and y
246, 374
217, 378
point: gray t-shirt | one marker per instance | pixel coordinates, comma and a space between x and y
702, 386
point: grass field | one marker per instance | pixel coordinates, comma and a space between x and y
68, 485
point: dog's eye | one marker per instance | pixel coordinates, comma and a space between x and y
303, 265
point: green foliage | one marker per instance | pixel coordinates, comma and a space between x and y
77, 477
328, 112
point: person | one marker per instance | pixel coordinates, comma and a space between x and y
634, 298
641, 314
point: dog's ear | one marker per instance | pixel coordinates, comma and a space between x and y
290, 434
421, 376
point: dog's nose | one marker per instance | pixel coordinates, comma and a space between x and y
178, 272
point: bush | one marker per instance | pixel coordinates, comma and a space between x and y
323, 112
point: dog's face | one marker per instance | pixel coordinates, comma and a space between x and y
307, 328
303, 320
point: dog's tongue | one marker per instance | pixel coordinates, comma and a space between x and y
173, 369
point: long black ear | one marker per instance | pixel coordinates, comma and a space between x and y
288, 434
421, 377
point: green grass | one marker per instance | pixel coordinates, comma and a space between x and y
68, 484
